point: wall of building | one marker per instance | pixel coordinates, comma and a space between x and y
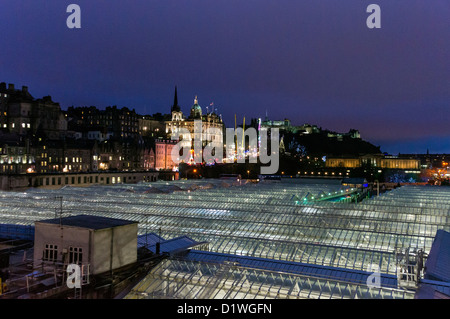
398, 163
390, 163
118, 244
56, 181
343, 162
63, 238
102, 249
163, 154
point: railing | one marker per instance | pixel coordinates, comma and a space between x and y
410, 267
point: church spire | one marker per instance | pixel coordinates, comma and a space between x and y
175, 106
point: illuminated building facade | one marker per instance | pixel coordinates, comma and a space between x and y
383, 162
163, 155
212, 126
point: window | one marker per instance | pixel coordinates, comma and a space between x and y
75, 255
50, 253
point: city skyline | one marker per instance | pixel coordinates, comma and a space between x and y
311, 63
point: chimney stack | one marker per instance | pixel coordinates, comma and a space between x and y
11, 87
25, 89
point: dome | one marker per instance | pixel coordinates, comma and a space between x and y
196, 110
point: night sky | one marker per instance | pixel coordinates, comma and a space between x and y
310, 61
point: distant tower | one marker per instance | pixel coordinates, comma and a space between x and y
175, 106
177, 115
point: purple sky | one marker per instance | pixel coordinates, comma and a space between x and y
310, 61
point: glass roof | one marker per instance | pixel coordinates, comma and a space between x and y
187, 279
265, 220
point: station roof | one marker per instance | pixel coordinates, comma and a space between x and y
149, 239
171, 246
438, 262
318, 271
260, 221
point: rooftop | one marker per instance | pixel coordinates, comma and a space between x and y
88, 221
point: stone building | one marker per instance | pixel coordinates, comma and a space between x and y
184, 130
